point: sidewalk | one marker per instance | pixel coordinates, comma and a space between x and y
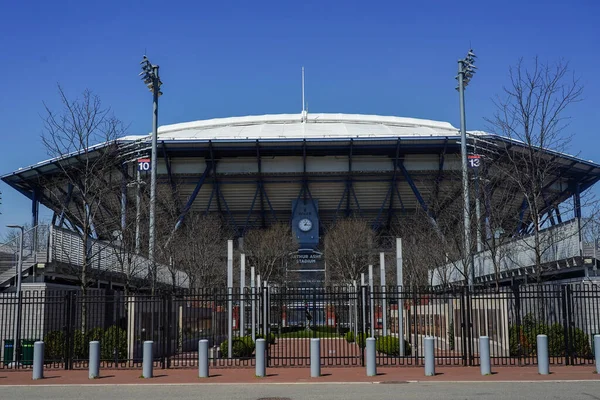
299, 375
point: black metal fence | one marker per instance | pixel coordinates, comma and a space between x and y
342, 317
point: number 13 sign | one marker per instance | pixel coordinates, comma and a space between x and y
474, 161
143, 164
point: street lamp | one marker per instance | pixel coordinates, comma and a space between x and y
150, 77
466, 71
19, 272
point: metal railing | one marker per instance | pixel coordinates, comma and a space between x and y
341, 317
67, 247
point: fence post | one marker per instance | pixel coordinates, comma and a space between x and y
254, 296
429, 357
597, 352
399, 285
371, 300
147, 363
38, 360
94, 363
371, 360
542, 355
484, 355
261, 368
382, 281
315, 358
229, 298
203, 358
242, 312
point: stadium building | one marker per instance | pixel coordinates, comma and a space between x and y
306, 170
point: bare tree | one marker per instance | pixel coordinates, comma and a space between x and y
532, 111
70, 136
199, 249
349, 248
268, 251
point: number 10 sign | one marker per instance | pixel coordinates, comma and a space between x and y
143, 164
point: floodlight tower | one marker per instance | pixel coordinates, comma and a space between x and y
150, 77
466, 71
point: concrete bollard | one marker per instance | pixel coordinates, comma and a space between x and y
484, 355
542, 355
203, 358
597, 352
315, 358
148, 364
38, 360
94, 364
371, 360
261, 365
429, 357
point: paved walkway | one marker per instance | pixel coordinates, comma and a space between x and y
299, 375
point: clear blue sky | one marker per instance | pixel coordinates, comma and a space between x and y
230, 58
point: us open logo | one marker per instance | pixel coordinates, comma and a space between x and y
143, 164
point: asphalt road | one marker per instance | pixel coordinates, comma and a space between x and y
444, 391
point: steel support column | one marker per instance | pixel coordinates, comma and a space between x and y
35, 207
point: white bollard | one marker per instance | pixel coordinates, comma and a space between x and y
148, 359
94, 364
203, 358
484, 355
315, 358
38, 360
597, 352
371, 359
261, 365
429, 357
542, 355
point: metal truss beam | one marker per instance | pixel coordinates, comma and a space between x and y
176, 199
65, 204
440, 175
192, 198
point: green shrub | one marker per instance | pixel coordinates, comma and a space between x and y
361, 340
350, 337
271, 339
113, 344
54, 345
80, 347
524, 338
241, 347
390, 345
95, 334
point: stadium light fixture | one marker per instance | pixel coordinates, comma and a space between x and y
466, 71
19, 272
152, 80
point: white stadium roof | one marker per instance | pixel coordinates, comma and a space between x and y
291, 126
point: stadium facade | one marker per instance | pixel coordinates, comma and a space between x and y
308, 170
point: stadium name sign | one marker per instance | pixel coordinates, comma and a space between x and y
307, 256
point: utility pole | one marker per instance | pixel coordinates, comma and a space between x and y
150, 76
466, 70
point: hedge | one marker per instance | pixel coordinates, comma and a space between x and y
524, 337
390, 345
241, 347
271, 339
113, 342
350, 337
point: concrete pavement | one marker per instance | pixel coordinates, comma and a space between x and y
407, 391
